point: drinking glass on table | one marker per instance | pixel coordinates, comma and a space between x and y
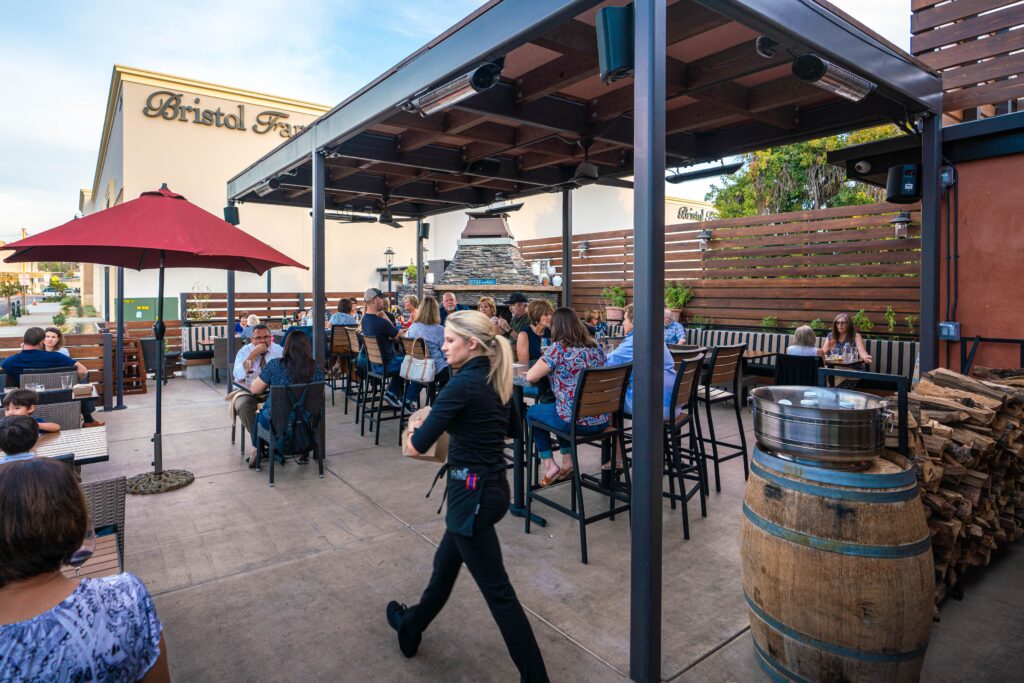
65, 381
86, 550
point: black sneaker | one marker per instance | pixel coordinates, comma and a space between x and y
392, 400
407, 643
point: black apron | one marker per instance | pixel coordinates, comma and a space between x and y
464, 489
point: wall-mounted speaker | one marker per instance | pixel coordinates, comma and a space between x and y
903, 184
615, 42
424, 233
231, 215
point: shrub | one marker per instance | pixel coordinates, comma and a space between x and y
890, 319
410, 272
614, 296
769, 323
818, 326
861, 322
59, 319
700, 321
677, 295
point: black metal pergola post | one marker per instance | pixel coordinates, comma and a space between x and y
648, 339
567, 248
230, 327
931, 160
319, 276
119, 405
419, 259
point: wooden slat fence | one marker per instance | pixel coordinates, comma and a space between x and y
270, 307
795, 266
972, 43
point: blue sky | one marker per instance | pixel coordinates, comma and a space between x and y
58, 56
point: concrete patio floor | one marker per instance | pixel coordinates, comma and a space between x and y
289, 583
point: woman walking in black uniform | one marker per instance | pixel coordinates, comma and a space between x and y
474, 409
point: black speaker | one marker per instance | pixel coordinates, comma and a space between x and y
231, 215
615, 42
903, 185
424, 231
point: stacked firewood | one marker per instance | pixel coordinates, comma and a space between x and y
967, 444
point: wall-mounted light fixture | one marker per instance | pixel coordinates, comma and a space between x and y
476, 81
901, 224
584, 248
704, 239
831, 77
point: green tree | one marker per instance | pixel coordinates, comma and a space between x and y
796, 177
9, 287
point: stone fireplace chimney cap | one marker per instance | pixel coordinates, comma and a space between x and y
486, 226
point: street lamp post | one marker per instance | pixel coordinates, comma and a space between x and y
389, 259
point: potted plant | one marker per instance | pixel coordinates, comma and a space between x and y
409, 274
614, 303
676, 298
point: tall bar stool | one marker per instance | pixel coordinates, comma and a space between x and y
598, 391
721, 384
356, 380
340, 358
688, 464
376, 384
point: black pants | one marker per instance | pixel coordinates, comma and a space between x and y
482, 554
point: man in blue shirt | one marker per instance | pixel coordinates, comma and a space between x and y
34, 357
449, 304
623, 354
674, 332
376, 324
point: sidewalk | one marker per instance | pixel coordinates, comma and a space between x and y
41, 315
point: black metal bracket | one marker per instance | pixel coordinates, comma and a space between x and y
967, 357
899, 381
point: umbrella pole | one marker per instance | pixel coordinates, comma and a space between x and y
158, 331
159, 480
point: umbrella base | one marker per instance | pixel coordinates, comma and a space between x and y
150, 482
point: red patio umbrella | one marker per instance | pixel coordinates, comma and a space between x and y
160, 229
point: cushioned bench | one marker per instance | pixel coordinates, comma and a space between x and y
888, 356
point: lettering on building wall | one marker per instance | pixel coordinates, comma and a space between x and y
686, 213
170, 106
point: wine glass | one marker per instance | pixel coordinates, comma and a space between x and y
86, 550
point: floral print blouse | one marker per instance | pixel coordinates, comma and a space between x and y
566, 364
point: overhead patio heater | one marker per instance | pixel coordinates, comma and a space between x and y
831, 77
476, 81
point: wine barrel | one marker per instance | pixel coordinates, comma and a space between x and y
837, 570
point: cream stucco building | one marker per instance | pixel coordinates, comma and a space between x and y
194, 136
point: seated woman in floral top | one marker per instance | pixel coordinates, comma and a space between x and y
54, 628
572, 350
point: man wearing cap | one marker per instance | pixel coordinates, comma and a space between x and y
449, 304
517, 307
376, 324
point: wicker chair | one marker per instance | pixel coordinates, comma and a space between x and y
68, 414
51, 379
106, 507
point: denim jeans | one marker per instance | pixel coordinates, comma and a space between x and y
394, 365
546, 414
412, 389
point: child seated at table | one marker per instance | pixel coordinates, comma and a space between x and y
18, 436
23, 402
594, 320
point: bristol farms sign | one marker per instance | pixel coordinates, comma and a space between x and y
164, 104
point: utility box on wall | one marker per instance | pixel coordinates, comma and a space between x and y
144, 308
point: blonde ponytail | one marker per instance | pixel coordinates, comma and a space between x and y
476, 325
